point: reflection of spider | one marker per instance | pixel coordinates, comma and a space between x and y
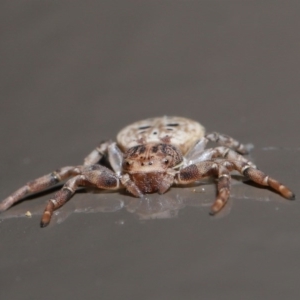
150, 156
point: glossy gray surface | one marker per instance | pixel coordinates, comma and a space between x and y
73, 74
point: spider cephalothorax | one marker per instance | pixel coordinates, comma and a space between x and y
150, 166
150, 156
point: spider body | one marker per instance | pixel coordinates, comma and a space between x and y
150, 156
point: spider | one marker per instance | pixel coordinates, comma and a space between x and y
150, 156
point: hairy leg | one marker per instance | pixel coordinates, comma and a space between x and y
259, 177
93, 176
216, 153
38, 185
205, 169
114, 154
229, 142
95, 156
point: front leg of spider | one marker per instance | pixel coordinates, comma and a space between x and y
221, 170
204, 169
38, 185
260, 178
92, 176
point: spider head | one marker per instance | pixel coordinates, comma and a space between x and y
149, 166
151, 158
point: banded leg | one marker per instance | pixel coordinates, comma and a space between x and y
224, 180
222, 153
261, 178
229, 142
93, 176
37, 185
60, 198
95, 156
204, 169
114, 154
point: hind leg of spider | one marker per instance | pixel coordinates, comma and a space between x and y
93, 176
203, 169
96, 155
37, 185
261, 178
229, 142
222, 152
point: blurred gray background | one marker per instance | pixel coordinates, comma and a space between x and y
74, 73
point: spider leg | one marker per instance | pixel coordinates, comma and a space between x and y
109, 148
115, 157
215, 153
93, 176
97, 153
228, 154
37, 185
261, 178
223, 187
203, 169
229, 142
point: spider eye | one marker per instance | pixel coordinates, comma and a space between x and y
166, 161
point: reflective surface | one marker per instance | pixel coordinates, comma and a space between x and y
73, 75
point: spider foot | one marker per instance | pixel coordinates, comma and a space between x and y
60, 198
46, 218
285, 192
216, 207
223, 193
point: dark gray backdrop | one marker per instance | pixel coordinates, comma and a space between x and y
73, 73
